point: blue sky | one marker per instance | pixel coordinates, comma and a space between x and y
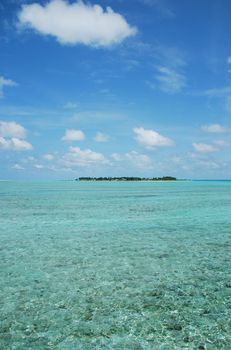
116, 87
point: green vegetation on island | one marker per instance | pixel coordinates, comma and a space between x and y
127, 178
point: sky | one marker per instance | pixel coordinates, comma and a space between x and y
115, 88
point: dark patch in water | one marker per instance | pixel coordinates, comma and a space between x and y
162, 256
140, 196
144, 210
174, 326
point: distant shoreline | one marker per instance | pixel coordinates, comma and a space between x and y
125, 178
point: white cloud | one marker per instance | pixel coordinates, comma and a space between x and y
221, 143
29, 159
170, 80
71, 105
5, 82
224, 93
3, 143
15, 144
48, 156
20, 145
12, 129
229, 59
136, 159
76, 23
139, 160
209, 164
100, 137
73, 135
214, 128
76, 157
218, 92
204, 148
18, 167
11, 135
170, 56
38, 166
117, 157
151, 138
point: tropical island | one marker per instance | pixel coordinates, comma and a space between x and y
127, 178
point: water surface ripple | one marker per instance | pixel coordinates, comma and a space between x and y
115, 265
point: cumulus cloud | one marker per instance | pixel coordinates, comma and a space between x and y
48, 156
76, 157
38, 166
170, 80
18, 167
5, 82
76, 23
14, 144
136, 159
229, 59
12, 129
73, 135
214, 128
151, 138
12, 135
29, 159
139, 160
71, 105
100, 137
204, 148
222, 143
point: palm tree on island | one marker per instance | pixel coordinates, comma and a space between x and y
127, 178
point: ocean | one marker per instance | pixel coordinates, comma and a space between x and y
115, 265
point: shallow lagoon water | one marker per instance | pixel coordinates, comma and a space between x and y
115, 265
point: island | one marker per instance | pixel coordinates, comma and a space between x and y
127, 178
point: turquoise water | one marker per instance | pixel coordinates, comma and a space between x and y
115, 265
